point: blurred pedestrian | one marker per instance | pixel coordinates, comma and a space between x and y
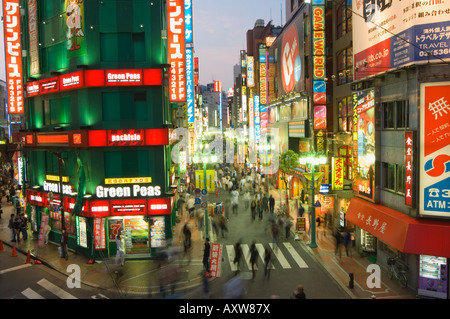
260, 210
235, 288
265, 204
237, 255
120, 254
275, 234
17, 224
347, 242
63, 241
222, 224
48, 228
271, 203
253, 258
24, 226
287, 224
301, 210
205, 281
11, 227
253, 208
267, 262
187, 242
234, 201
338, 242
298, 293
206, 253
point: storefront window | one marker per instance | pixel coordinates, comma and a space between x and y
344, 18
55, 221
345, 114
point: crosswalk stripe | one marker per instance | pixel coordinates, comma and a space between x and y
283, 261
4, 271
261, 252
55, 289
299, 260
230, 253
31, 294
246, 252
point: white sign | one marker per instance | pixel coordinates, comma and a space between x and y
54, 188
127, 191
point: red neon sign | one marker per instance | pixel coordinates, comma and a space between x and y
123, 77
126, 137
408, 168
70, 81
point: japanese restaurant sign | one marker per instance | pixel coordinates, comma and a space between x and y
99, 233
215, 260
176, 48
338, 173
408, 168
13, 56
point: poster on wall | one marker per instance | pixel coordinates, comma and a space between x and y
157, 232
364, 135
99, 233
435, 149
136, 235
81, 231
417, 31
115, 227
75, 28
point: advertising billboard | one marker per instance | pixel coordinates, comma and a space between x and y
435, 149
13, 56
389, 34
289, 51
190, 86
364, 143
176, 48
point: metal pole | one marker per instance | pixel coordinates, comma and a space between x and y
206, 209
313, 211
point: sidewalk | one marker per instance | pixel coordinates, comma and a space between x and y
340, 267
137, 279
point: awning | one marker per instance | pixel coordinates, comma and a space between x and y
407, 234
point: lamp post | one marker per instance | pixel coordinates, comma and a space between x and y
313, 161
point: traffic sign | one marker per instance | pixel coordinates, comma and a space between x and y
204, 192
317, 204
197, 190
198, 200
204, 205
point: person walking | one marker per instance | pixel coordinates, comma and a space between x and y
275, 234
338, 241
16, 225
347, 242
206, 253
253, 258
63, 241
120, 255
267, 262
298, 293
11, 227
187, 242
287, 224
24, 226
271, 203
265, 204
48, 228
234, 201
253, 208
260, 210
237, 255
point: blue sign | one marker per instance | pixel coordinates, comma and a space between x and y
317, 204
204, 192
198, 200
190, 85
188, 30
197, 190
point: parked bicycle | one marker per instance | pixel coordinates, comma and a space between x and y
397, 271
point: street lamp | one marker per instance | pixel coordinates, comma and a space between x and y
313, 161
205, 160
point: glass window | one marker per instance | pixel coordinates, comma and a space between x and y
395, 115
400, 187
389, 176
345, 114
345, 66
344, 18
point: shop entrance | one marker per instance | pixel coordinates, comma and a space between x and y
134, 232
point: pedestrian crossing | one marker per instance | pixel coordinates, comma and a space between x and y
45, 289
284, 256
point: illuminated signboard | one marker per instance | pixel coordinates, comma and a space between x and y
188, 29
33, 37
176, 50
320, 117
54, 188
13, 56
127, 191
125, 137
318, 39
338, 173
190, 87
250, 72
55, 178
262, 83
257, 120
128, 180
435, 149
99, 233
95, 78
217, 86
364, 143
408, 168
73, 80
121, 77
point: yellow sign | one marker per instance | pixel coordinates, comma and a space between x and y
210, 180
55, 178
128, 180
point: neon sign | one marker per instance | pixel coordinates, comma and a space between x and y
127, 191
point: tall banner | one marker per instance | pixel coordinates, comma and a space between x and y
176, 47
33, 34
190, 87
42, 229
75, 28
13, 56
435, 149
318, 52
364, 141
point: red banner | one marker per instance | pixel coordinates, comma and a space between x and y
215, 260
99, 233
408, 167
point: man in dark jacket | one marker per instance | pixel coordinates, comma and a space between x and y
271, 203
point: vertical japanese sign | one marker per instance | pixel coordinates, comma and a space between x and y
42, 229
338, 173
263, 83
13, 56
190, 87
318, 50
188, 25
250, 71
33, 36
257, 119
176, 43
215, 260
364, 142
408, 168
99, 233
435, 149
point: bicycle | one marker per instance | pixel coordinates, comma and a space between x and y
398, 272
